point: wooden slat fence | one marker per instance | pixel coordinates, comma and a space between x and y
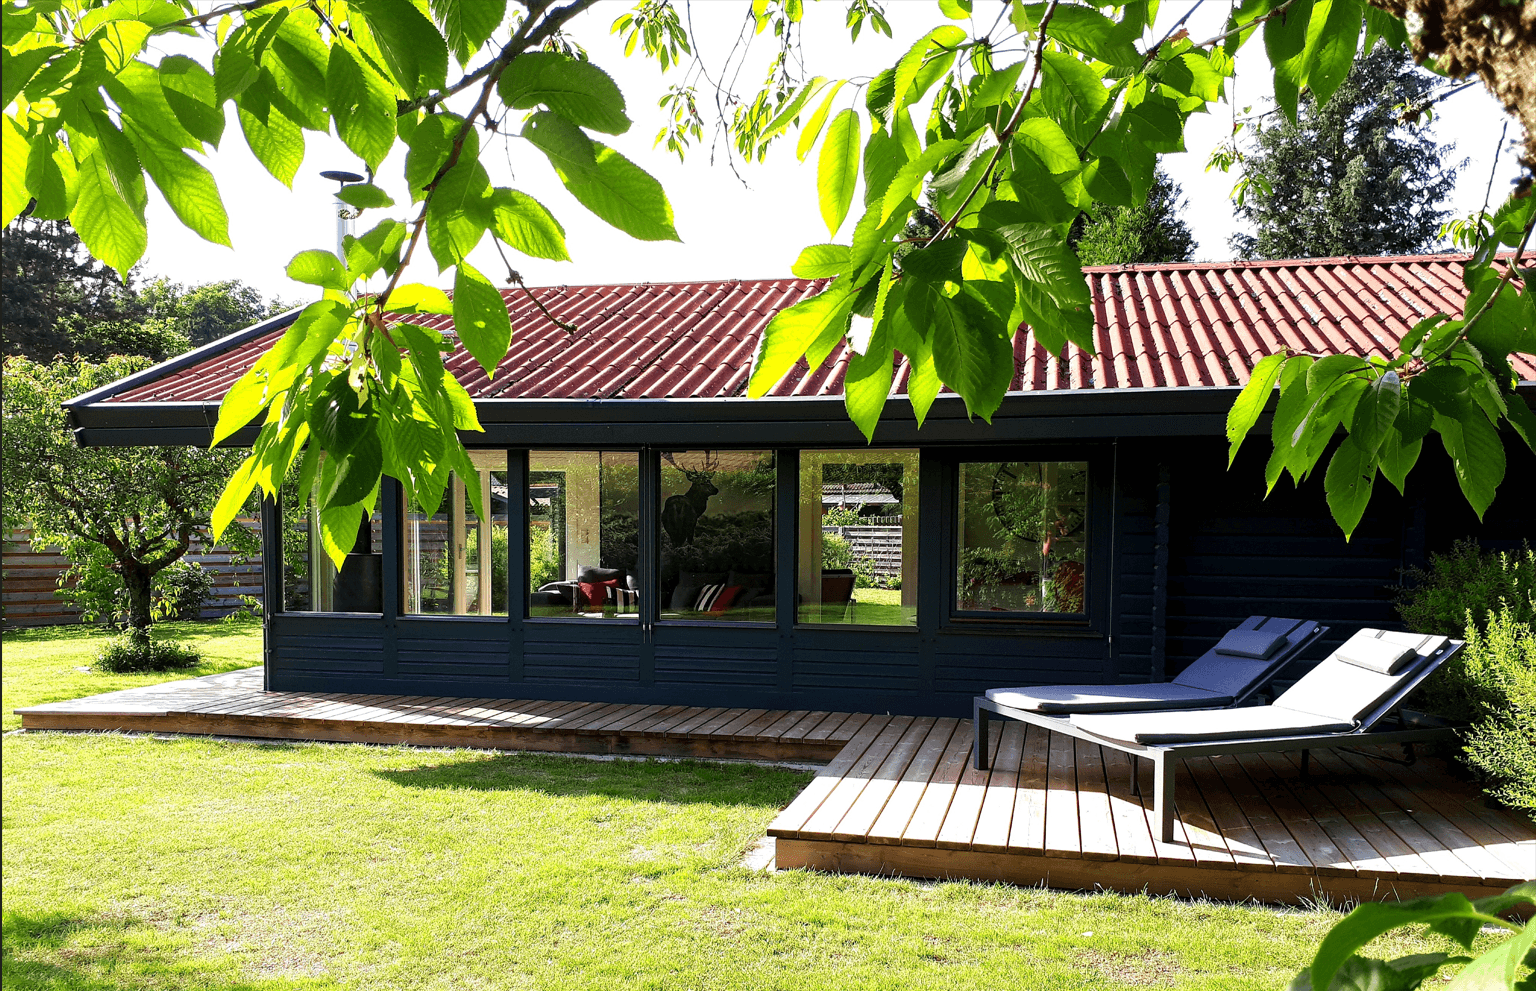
881, 544
29, 577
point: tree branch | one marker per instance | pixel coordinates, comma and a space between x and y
201, 20
1278, 11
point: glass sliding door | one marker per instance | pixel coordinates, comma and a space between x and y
583, 534
716, 536
456, 562
857, 542
311, 580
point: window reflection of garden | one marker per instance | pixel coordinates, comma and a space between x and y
583, 528
858, 537
716, 536
1022, 537
455, 562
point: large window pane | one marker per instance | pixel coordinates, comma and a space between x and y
1023, 536
583, 530
311, 582
455, 562
716, 537
858, 537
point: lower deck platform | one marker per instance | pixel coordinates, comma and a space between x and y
898, 794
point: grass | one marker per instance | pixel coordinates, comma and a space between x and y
135, 862
143, 863
43, 664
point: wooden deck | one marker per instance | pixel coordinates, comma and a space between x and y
903, 798
234, 704
899, 795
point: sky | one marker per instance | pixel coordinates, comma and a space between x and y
750, 222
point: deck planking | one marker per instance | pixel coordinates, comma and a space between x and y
899, 794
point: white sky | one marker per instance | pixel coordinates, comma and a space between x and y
729, 229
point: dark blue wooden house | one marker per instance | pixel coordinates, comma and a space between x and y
653, 536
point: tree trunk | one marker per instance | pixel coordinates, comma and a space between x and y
136, 580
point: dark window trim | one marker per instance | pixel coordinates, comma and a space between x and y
1092, 624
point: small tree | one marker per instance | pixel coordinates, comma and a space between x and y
1348, 178
146, 506
1153, 231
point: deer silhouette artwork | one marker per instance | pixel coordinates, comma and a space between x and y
680, 514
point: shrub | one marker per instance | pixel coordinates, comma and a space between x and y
842, 516
134, 651
836, 552
186, 588
1499, 667
1438, 599
543, 557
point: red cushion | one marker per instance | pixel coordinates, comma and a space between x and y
596, 593
725, 598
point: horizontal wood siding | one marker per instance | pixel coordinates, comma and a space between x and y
452, 660
311, 654
1131, 600
851, 669
969, 664
749, 668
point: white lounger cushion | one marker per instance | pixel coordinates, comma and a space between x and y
1107, 698
1250, 723
1340, 689
1381, 656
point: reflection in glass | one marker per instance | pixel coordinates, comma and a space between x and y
311, 582
858, 537
583, 534
455, 562
1022, 536
717, 561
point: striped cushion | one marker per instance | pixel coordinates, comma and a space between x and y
707, 596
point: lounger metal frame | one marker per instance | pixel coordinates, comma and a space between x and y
1162, 756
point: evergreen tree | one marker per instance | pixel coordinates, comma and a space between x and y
1348, 178
51, 288
1155, 231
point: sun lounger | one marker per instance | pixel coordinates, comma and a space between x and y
1244, 661
1350, 698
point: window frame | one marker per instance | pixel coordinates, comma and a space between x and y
1099, 560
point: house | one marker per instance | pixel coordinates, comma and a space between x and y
655, 536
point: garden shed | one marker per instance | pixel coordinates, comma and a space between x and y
656, 537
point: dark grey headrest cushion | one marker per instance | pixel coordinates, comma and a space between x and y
1251, 643
1380, 656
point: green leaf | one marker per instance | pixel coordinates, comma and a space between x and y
793, 107
1073, 95
429, 145
1348, 481
52, 178
378, 248
812, 129
1044, 258
1250, 403
14, 148
187, 186
1372, 919
468, 24
363, 106
936, 263
1049, 143
234, 71
922, 379
233, 498
1090, 32
837, 170
1376, 412
877, 100
821, 261
189, 91
1496, 969
319, 268
365, 196
413, 297
1445, 388
17, 70
955, 10
793, 330
111, 228
578, 91
945, 37
1333, 35
277, 143
480, 317
1477, 454
605, 182
1108, 183
1397, 456
1285, 41
138, 93
413, 49
459, 213
522, 223
867, 383
909, 179
972, 351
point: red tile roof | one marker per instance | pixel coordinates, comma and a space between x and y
1163, 326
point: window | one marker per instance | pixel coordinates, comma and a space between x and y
716, 539
858, 538
455, 562
1023, 537
583, 534
311, 582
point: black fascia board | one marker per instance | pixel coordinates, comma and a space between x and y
173, 365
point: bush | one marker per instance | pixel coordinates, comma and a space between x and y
1468, 579
134, 651
543, 557
186, 587
1498, 669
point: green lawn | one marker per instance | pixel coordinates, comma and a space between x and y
132, 862
42, 664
